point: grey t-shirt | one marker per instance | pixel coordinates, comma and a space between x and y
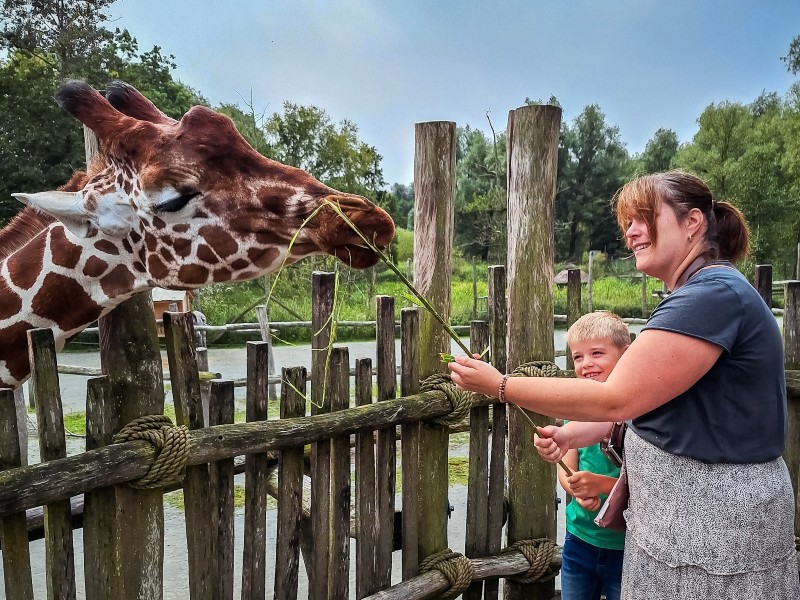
736, 413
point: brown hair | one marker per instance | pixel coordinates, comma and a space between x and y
599, 325
727, 236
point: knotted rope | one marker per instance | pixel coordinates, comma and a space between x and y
460, 400
539, 368
456, 567
171, 444
539, 553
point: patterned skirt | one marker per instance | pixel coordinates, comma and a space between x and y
712, 531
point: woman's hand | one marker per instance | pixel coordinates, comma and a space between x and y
551, 442
475, 375
585, 484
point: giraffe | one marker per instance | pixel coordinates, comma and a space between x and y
176, 204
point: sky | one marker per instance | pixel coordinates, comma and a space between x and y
388, 64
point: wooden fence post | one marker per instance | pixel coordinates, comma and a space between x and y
477, 528
18, 582
791, 341
763, 282
323, 289
410, 432
366, 491
532, 152
339, 558
129, 355
221, 411
386, 451
498, 332
434, 193
573, 304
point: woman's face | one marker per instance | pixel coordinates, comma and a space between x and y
663, 259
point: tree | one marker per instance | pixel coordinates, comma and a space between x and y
659, 152
305, 137
792, 58
593, 164
40, 146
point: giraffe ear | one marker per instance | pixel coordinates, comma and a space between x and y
67, 207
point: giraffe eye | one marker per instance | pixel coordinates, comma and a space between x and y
175, 204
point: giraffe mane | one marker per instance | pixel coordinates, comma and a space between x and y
28, 223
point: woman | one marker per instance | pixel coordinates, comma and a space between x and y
711, 504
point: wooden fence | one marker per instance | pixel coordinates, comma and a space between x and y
321, 513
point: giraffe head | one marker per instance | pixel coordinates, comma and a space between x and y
192, 202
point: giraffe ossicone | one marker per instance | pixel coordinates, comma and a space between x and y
169, 203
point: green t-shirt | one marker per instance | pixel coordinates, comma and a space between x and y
580, 522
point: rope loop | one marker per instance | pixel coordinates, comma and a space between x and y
456, 567
539, 553
460, 400
172, 449
538, 368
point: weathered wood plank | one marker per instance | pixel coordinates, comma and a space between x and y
409, 384
762, 281
532, 163
366, 527
59, 552
386, 451
476, 541
255, 510
201, 518
574, 304
290, 497
99, 512
791, 343
434, 194
130, 356
221, 409
13, 531
339, 561
323, 291
433, 583
498, 323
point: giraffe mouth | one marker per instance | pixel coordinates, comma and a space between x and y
357, 256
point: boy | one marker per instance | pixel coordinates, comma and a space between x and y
592, 556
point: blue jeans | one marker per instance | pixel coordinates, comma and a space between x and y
587, 571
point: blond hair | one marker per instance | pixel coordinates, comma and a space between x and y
599, 325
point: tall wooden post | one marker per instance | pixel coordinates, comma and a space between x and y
130, 357
573, 304
434, 193
791, 341
532, 157
763, 282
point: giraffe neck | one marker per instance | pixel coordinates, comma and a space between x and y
53, 282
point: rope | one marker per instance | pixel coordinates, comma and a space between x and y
539, 553
171, 444
456, 567
539, 368
460, 400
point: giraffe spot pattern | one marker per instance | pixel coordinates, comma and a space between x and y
13, 338
118, 281
64, 301
239, 264
24, 269
167, 254
127, 246
220, 240
262, 258
182, 247
222, 275
180, 228
193, 274
135, 237
150, 241
158, 223
156, 267
94, 267
107, 246
63, 252
139, 267
206, 254
10, 303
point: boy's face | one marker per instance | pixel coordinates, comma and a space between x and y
594, 359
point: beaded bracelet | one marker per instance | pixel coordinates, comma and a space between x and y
501, 391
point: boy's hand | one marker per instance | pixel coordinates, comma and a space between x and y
551, 443
586, 485
589, 503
